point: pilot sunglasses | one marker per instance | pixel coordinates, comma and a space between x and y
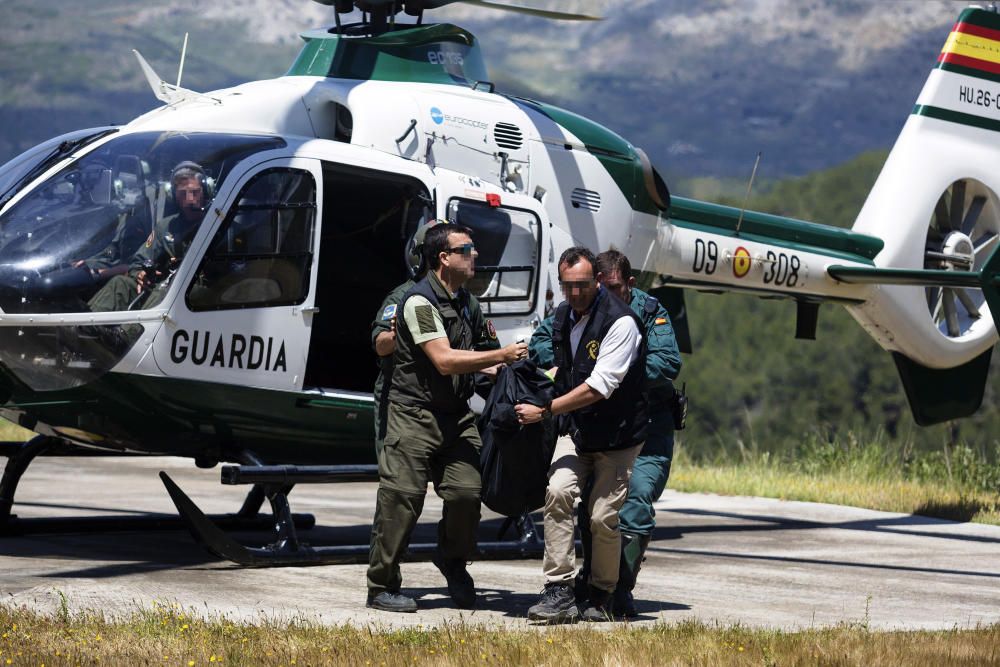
465, 249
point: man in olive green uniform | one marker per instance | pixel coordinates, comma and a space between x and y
160, 255
652, 467
384, 331
431, 432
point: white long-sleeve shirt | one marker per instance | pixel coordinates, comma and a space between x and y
617, 352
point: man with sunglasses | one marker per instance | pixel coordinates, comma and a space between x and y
431, 432
599, 356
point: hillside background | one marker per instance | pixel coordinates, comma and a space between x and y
820, 87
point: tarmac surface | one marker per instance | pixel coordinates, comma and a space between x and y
753, 561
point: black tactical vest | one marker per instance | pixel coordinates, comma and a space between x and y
415, 380
619, 421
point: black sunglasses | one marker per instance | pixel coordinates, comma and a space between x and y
465, 249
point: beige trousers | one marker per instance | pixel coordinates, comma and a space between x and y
569, 473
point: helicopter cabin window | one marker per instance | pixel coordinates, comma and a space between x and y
77, 241
262, 254
507, 241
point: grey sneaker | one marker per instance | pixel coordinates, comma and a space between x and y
557, 605
391, 601
461, 587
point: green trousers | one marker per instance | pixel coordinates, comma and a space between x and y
420, 447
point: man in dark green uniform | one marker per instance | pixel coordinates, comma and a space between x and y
431, 432
384, 331
652, 466
160, 255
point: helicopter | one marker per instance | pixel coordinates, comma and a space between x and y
252, 349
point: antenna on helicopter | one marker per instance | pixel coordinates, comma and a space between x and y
180, 68
746, 197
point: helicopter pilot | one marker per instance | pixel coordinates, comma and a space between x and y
160, 255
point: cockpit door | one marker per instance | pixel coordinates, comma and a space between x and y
508, 230
245, 314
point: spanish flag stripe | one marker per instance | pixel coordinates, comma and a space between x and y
973, 63
977, 30
971, 46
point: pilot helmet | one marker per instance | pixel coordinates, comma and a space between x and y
415, 248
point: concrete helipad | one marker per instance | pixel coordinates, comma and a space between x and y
741, 560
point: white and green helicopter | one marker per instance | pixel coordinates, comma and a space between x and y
255, 350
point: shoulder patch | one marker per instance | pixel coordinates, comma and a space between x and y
660, 320
651, 305
389, 312
149, 240
425, 318
491, 330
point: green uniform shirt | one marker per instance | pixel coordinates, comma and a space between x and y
166, 245
383, 323
663, 359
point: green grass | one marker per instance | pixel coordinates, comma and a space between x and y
957, 483
168, 635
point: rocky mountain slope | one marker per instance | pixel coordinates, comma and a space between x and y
701, 86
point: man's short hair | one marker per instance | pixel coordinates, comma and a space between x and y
571, 256
436, 242
612, 261
186, 170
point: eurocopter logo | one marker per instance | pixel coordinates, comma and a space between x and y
440, 117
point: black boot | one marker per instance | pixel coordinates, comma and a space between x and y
633, 550
461, 588
391, 601
598, 607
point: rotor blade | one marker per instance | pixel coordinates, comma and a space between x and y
985, 240
933, 295
967, 303
951, 313
941, 214
972, 215
936, 311
957, 203
558, 16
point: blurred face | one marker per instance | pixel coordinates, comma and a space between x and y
460, 258
190, 197
614, 283
578, 284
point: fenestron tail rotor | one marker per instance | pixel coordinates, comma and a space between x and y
963, 232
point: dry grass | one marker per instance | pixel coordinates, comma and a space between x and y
167, 635
839, 488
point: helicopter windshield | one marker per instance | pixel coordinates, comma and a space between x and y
126, 211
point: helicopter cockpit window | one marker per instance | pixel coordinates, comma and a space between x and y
262, 254
120, 216
507, 241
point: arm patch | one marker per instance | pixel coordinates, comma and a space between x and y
651, 305
425, 318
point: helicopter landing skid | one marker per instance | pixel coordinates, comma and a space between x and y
20, 455
287, 550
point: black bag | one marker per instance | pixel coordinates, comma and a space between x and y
679, 408
515, 459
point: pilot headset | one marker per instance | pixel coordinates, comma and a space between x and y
189, 169
415, 248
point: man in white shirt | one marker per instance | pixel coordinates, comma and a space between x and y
600, 357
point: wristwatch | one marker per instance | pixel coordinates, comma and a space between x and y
547, 411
